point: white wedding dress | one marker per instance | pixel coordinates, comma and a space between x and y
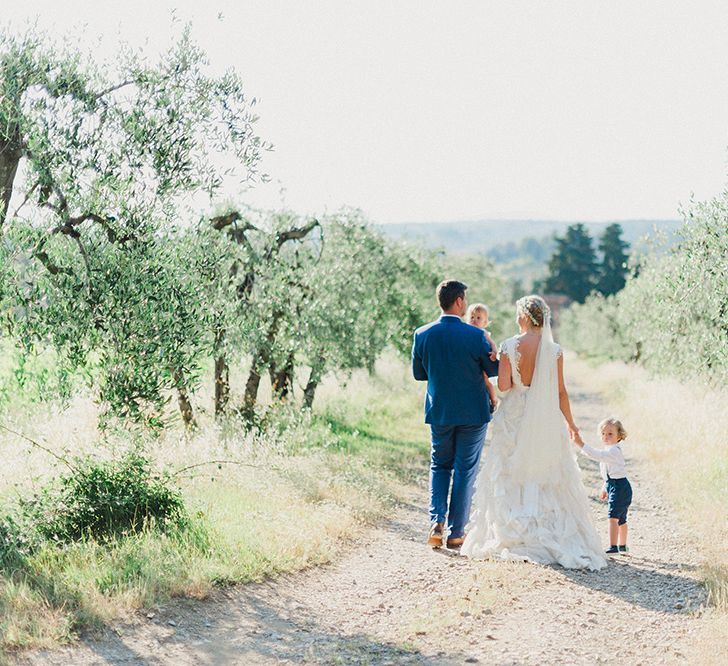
530, 503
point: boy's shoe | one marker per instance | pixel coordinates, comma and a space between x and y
623, 550
612, 550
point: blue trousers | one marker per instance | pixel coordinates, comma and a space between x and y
619, 494
455, 456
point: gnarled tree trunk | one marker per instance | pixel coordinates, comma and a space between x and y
222, 375
251, 389
222, 385
10, 154
317, 371
261, 359
281, 379
183, 400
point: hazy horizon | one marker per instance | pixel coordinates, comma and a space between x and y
536, 220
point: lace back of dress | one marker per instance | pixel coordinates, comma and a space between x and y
516, 356
542, 426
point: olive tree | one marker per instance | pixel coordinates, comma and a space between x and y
348, 296
254, 270
95, 163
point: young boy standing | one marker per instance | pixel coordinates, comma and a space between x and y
617, 489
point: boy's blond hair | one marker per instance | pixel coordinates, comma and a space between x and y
479, 307
621, 432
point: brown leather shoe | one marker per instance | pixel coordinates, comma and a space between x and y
455, 542
437, 532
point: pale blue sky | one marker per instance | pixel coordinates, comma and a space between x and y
417, 110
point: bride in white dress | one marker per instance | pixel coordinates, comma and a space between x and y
530, 503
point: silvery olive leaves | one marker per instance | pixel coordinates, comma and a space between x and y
104, 264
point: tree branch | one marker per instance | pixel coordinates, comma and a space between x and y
41, 447
27, 197
86, 261
223, 462
113, 88
220, 222
297, 233
237, 233
52, 268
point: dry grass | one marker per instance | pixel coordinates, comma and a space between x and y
682, 428
294, 498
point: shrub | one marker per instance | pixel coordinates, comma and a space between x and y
102, 499
11, 544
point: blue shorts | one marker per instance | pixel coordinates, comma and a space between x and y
619, 496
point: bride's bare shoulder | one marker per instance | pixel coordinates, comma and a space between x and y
526, 342
509, 344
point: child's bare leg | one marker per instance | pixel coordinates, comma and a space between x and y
613, 531
623, 535
491, 390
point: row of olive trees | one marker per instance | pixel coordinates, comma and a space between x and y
672, 316
99, 261
292, 295
300, 295
95, 162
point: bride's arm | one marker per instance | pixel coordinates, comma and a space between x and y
505, 381
564, 403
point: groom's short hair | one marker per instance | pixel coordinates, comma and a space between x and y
448, 291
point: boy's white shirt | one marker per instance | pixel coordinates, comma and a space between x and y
610, 458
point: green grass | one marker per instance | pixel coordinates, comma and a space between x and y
301, 495
384, 437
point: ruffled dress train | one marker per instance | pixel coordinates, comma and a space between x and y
545, 521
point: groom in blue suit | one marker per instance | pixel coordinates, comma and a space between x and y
451, 357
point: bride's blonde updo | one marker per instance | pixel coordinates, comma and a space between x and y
535, 308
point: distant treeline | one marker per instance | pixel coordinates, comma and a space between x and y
503, 236
537, 250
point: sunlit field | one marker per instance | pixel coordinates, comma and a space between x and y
261, 504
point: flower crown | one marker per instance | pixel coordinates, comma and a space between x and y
524, 307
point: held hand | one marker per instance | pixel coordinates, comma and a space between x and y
493, 356
575, 436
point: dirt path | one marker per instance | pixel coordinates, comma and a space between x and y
391, 600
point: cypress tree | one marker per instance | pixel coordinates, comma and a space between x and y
573, 269
613, 269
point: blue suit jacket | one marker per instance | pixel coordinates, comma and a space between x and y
452, 357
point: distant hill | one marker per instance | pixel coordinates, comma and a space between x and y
483, 236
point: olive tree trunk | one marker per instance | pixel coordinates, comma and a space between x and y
183, 400
314, 379
222, 375
10, 156
281, 378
